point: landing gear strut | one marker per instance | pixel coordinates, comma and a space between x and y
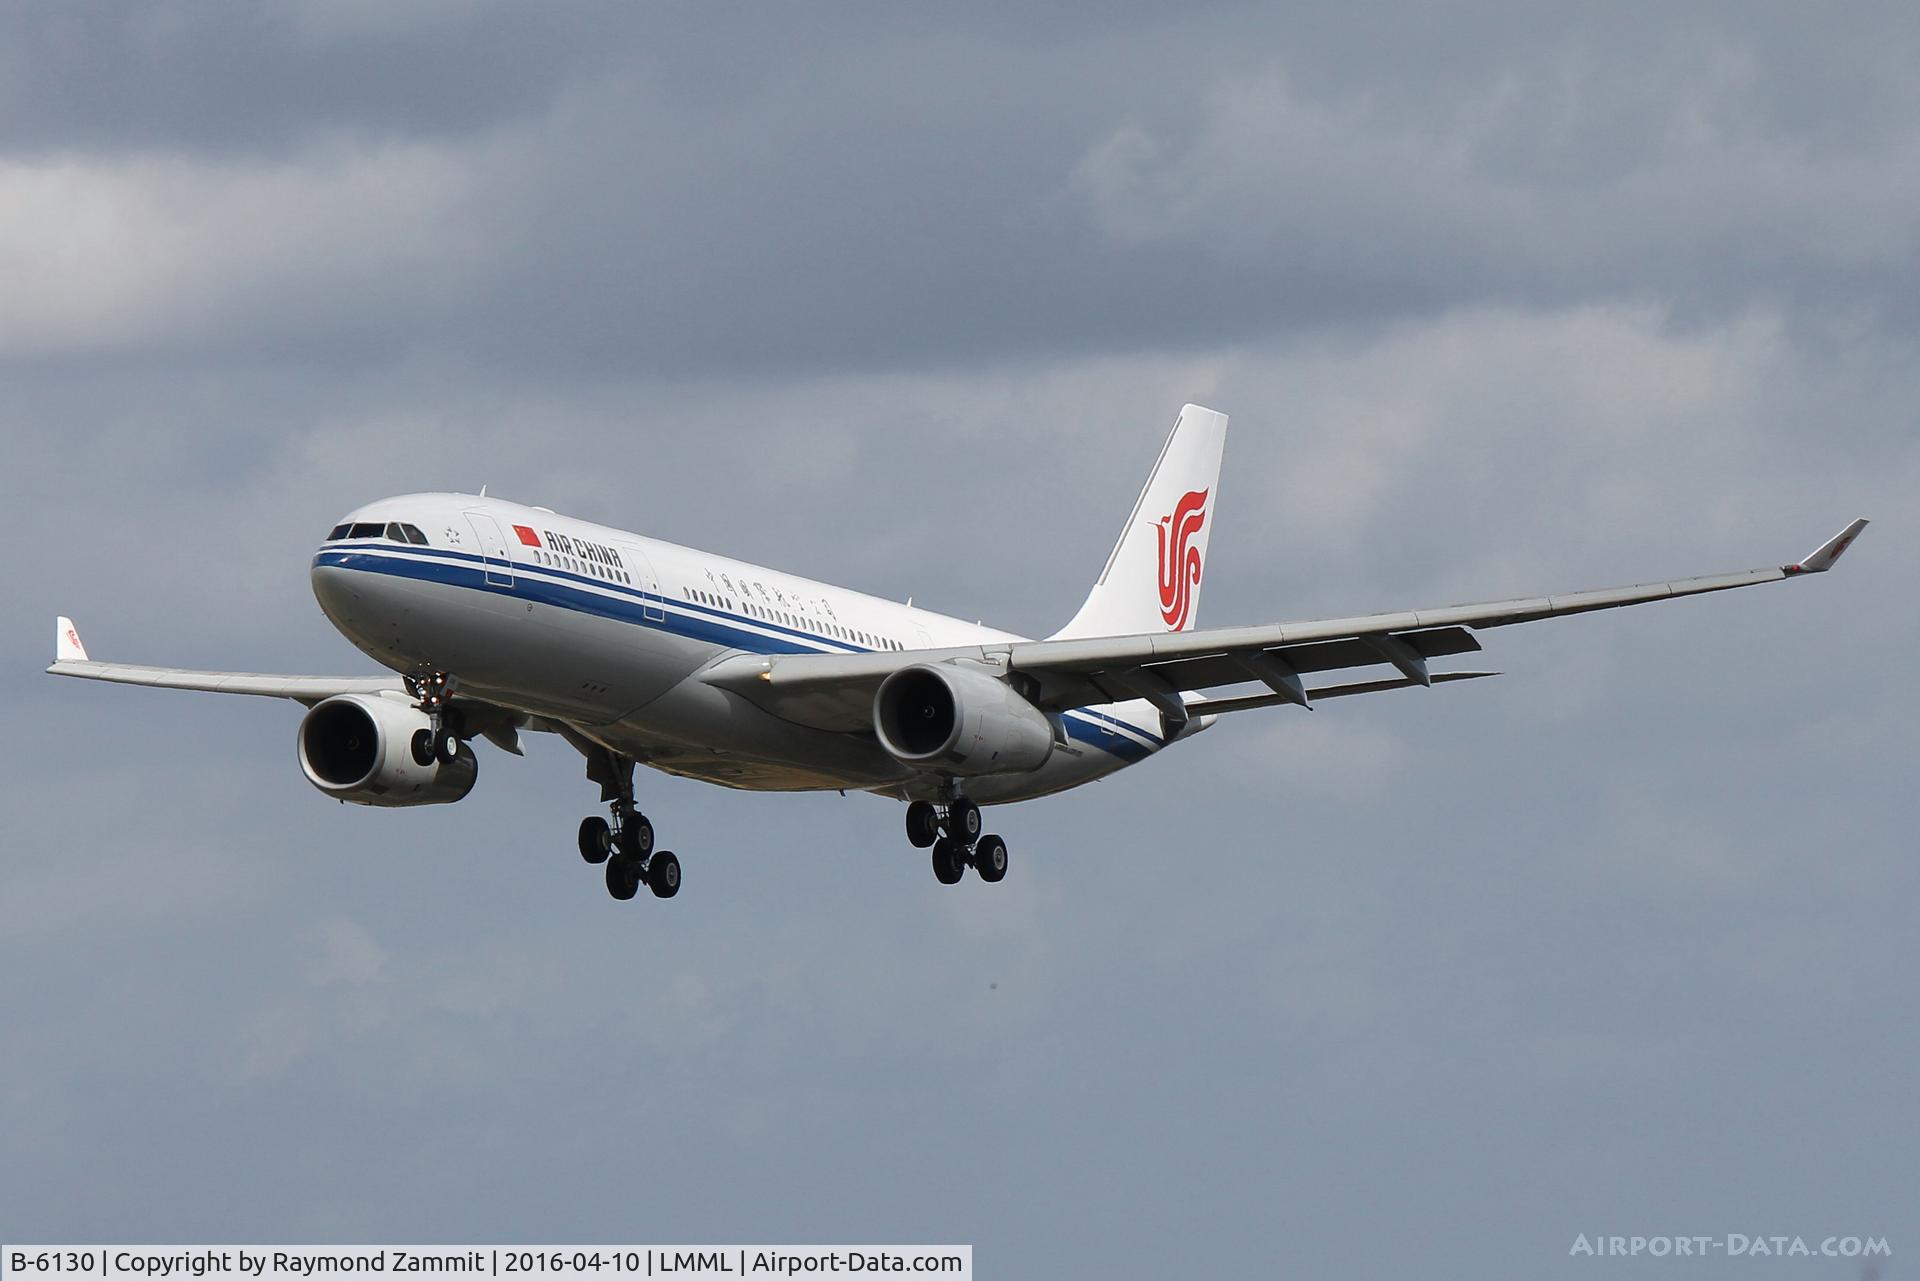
953, 834
624, 840
440, 741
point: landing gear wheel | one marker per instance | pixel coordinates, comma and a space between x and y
963, 821
596, 839
446, 746
923, 824
663, 874
623, 877
422, 747
949, 863
636, 838
990, 858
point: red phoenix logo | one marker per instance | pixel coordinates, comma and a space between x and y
1180, 559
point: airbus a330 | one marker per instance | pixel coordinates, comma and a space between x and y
495, 619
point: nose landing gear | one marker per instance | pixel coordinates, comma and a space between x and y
953, 834
440, 741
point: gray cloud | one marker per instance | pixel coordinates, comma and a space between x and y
1500, 302
668, 191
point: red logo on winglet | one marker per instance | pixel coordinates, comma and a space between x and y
527, 536
1179, 560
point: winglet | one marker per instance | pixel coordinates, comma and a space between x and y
66, 642
1830, 551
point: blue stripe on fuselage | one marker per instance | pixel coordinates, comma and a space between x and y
534, 573
625, 604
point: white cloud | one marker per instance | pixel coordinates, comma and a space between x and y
114, 253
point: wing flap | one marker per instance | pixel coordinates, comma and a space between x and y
1072, 687
1247, 702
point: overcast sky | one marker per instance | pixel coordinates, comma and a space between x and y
1501, 301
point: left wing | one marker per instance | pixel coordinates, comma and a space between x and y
835, 691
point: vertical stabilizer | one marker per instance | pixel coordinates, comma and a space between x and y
1152, 580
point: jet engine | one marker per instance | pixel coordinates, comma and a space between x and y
959, 720
359, 748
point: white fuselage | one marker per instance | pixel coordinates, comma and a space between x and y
608, 632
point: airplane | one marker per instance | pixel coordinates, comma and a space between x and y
495, 618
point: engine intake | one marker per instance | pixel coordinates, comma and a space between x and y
358, 747
959, 720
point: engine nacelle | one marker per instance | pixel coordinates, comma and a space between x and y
959, 720
359, 748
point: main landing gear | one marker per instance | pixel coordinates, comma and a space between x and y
625, 844
953, 833
440, 741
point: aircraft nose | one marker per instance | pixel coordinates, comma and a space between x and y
333, 589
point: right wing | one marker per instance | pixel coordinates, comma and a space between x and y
499, 725
70, 659
835, 691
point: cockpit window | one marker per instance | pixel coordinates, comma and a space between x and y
365, 529
414, 535
339, 532
394, 532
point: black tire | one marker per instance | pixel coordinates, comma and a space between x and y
623, 877
990, 859
948, 866
446, 746
923, 824
422, 746
596, 839
963, 821
663, 874
636, 838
